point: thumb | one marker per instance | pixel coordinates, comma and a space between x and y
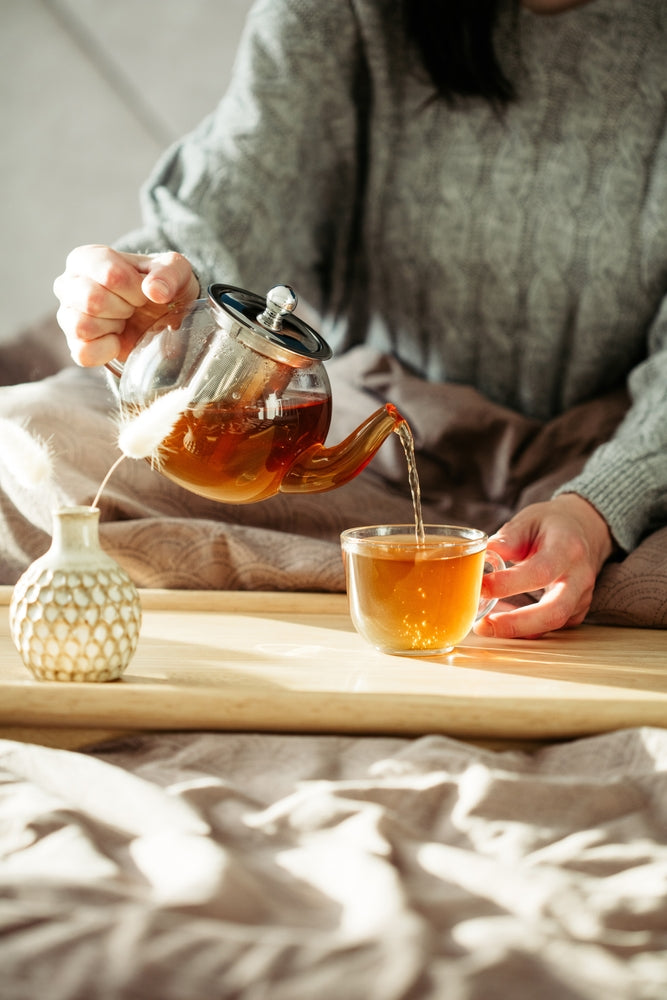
515, 539
169, 276
504, 544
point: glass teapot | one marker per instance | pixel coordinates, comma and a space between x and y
260, 403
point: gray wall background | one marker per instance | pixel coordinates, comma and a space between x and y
91, 91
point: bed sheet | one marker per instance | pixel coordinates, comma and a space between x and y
204, 866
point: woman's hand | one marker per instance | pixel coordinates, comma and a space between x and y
108, 298
557, 547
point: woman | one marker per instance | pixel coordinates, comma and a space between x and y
478, 192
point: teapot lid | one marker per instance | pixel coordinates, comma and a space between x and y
267, 326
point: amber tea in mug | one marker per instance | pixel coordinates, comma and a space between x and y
414, 597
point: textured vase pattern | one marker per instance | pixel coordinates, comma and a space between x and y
75, 614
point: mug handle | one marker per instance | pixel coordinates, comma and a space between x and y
492, 563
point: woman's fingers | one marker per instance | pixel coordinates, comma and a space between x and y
556, 548
109, 298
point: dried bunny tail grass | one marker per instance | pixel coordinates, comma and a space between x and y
26, 456
141, 434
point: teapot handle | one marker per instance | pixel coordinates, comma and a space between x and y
116, 367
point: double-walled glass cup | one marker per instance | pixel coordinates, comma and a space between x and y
416, 598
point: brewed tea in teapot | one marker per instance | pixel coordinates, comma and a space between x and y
260, 404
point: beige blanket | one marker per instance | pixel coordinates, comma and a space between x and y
211, 866
477, 463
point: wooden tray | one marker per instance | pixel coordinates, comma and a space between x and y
293, 662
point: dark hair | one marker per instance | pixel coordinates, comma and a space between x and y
454, 39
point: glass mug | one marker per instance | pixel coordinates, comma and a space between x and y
411, 598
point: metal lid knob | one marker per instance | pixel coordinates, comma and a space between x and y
280, 301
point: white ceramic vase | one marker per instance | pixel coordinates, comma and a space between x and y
75, 614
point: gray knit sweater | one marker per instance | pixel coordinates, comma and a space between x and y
524, 254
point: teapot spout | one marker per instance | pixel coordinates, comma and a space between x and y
319, 469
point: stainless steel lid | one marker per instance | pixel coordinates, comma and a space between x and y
268, 326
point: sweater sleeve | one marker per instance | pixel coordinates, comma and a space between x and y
264, 191
626, 478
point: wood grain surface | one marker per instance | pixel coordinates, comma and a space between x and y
293, 663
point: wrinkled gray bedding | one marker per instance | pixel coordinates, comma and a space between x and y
206, 866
